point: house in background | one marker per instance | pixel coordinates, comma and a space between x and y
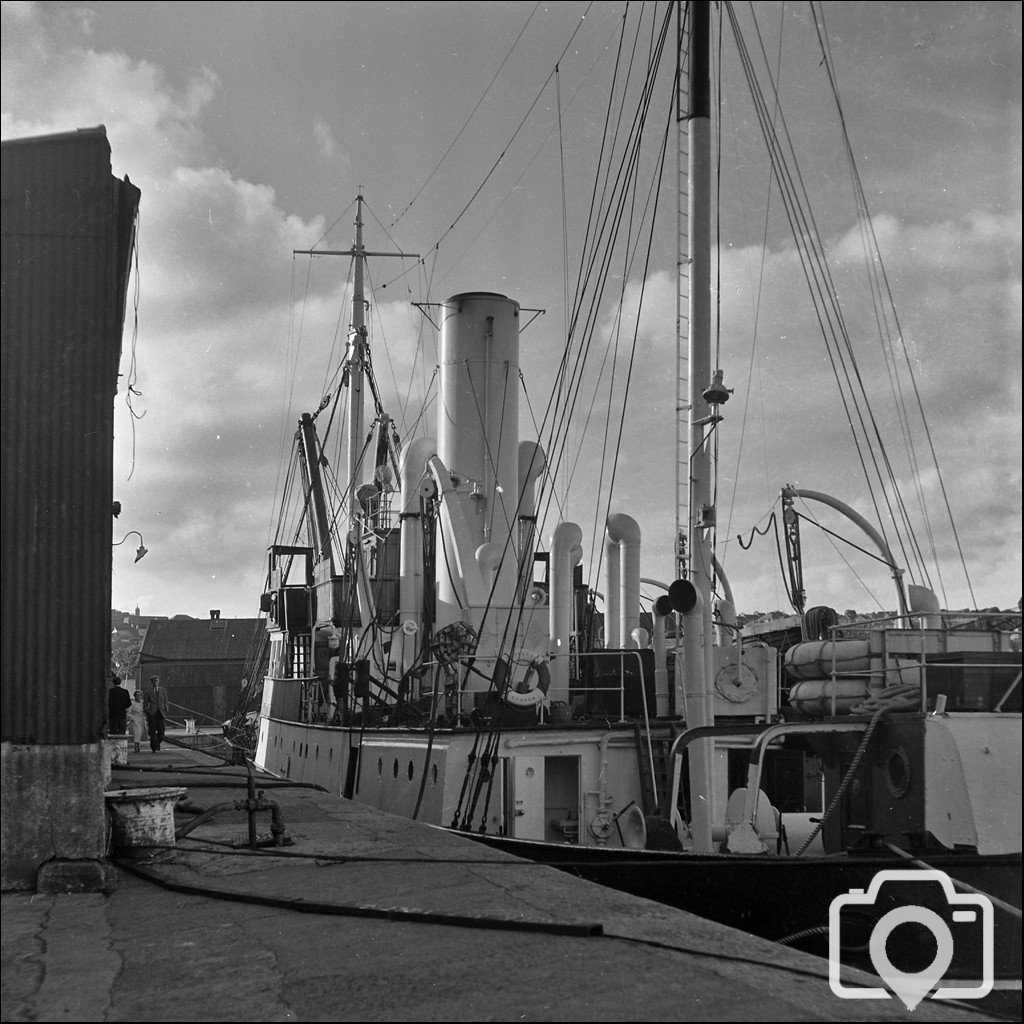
127, 633
202, 663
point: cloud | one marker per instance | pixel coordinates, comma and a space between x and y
213, 315
325, 141
234, 336
957, 288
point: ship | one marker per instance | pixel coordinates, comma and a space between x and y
432, 653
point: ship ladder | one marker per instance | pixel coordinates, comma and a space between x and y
652, 759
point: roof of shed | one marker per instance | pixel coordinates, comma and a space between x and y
201, 639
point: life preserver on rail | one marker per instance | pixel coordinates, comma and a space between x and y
533, 687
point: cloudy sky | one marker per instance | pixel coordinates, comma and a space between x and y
250, 128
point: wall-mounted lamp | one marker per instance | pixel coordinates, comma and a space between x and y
142, 547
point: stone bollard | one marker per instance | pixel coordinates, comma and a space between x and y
117, 744
143, 817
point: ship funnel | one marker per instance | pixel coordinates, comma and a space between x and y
478, 431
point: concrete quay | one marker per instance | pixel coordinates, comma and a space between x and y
367, 916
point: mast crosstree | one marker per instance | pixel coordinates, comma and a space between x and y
357, 358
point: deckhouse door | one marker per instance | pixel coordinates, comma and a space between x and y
525, 804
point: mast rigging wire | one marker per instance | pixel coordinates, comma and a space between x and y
757, 315
501, 156
884, 280
816, 270
472, 114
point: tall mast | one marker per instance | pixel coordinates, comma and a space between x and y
358, 356
356, 369
699, 708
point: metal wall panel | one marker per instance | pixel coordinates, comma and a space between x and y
67, 228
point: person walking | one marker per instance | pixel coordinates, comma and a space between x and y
155, 707
137, 720
118, 703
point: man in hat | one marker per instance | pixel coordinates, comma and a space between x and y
118, 703
155, 707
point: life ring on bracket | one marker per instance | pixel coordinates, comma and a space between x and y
533, 688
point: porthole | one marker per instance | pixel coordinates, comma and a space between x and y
897, 772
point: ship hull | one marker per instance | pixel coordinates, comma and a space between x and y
782, 897
417, 774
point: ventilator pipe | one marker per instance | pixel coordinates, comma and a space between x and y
723, 580
566, 554
726, 609
725, 631
532, 463
410, 571
612, 596
692, 694
925, 604
364, 590
661, 609
622, 547
488, 557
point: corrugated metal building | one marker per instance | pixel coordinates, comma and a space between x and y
68, 234
201, 663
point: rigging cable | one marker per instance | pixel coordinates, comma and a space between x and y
597, 272
757, 315
594, 206
131, 391
899, 332
715, 440
501, 156
816, 270
465, 124
873, 261
845, 354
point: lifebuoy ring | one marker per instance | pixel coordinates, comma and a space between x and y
526, 694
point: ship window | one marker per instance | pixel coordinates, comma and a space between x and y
433, 773
317, 754
330, 754
380, 766
898, 772
394, 770
412, 771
